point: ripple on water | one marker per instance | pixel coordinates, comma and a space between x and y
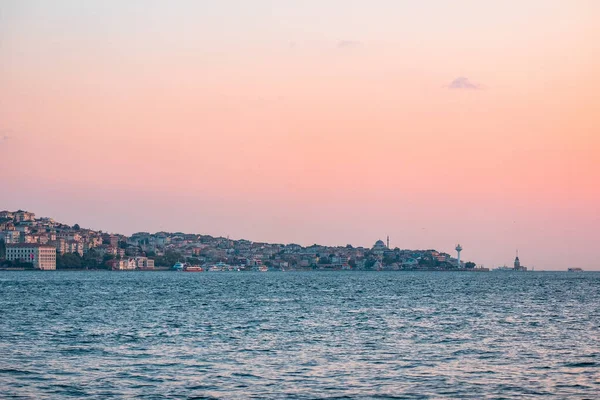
299, 335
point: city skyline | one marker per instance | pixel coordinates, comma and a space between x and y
48, 231
310, 122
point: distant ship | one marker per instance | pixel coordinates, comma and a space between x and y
193, 268
263, 268
575, 270
503, 268
179, 266
219, 267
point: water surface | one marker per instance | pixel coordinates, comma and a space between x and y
299, 335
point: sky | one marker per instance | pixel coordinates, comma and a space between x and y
333, 121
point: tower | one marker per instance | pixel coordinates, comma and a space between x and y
388, 241
517, 265
458, 250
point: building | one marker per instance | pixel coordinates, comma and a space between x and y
22, 216
10, 236
517, 264
379, 248
111, 240
73, 246
40, 255
60, 245
126, 264
7, 214
144, 263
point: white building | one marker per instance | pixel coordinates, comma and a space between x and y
126, 264
40, 255
144, 262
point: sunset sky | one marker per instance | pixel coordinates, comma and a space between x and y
329, 121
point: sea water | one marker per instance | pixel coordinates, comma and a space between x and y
299, 335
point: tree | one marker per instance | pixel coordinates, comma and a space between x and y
389, 259
168, 260
470, 265
91, 259
76, 227
68, 261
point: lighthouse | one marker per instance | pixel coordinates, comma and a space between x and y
458, 250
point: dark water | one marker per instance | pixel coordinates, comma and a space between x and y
299, 335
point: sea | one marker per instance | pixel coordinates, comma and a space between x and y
299, 335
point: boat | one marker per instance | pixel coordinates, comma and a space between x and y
575, 270
263, 268
503, 268
179, 266
193, 268
219, 267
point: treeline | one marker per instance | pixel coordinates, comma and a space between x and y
167, 260
16, 264
90, 260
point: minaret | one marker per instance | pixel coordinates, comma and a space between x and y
388, 242
458, 250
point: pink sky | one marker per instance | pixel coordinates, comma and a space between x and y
311, 123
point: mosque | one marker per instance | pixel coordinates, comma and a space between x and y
380, 247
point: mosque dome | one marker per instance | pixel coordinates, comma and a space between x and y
379, 245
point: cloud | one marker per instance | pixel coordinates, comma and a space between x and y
347, 44
3, 136
463, 83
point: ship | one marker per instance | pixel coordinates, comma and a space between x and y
179, 266
219, 267
193, 268
574, 270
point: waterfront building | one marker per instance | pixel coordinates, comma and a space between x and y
410, 263
144, 262
126, 264
40, 255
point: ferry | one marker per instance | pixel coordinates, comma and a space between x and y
193, 268
219, 267
575, 270
263, 268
